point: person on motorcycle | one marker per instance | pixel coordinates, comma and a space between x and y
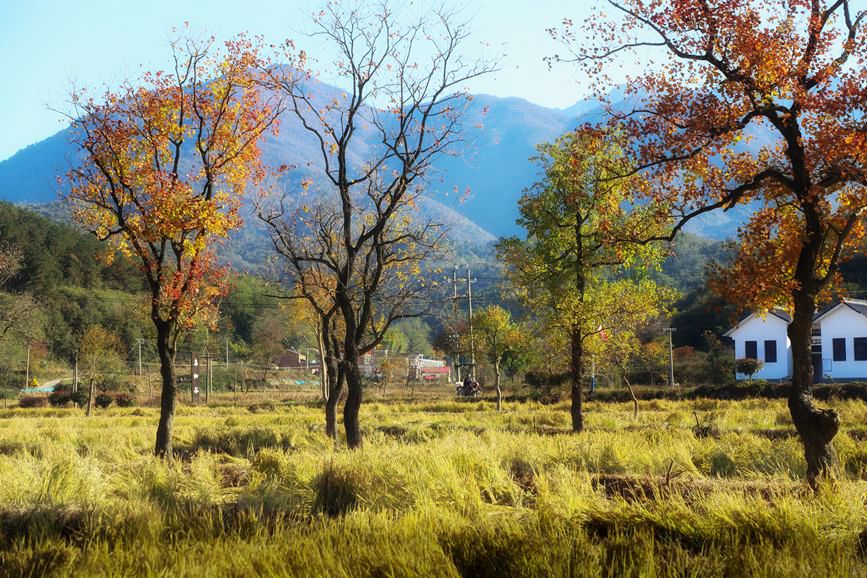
468, 385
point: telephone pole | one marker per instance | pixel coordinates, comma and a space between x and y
470, 282
209, 377
27, 374
469, 298
670, 331
194, 376
139, 356
454, 320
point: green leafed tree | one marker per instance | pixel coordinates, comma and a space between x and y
498, 337
100, 359
582, 260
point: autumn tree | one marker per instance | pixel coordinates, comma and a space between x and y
310, 285
303, 328
631, 306
162, 169
759, 103
405, 91
498, 336
392, 370
578, 263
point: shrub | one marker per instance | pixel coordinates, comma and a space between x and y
124, 400
59, 397
749, 366
78, 397
32, 401
103, 400
545, 387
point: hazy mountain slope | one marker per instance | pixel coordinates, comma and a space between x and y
482, 183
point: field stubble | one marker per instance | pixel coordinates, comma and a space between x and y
441, 488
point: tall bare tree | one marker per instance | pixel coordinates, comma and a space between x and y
403, 108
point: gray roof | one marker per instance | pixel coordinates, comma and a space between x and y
859, 306
781, 314
776, 312
856, 305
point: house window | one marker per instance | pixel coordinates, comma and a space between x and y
839, 345
751, 349
860, 349
770, 351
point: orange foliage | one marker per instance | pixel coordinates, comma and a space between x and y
165, 164
747, 101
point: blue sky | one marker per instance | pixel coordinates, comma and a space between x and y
45, 45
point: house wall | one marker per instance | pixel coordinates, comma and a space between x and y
846, 323
757, 329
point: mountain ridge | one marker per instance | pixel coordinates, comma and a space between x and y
478, 188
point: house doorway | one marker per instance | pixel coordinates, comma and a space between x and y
818, 374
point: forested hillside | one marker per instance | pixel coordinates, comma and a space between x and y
75, 286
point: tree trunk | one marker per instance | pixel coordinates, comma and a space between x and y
497, 384
816, 427
576, 368
89, 397
336, 379
632, 393
576, 350
166, 351
353, 397
324, 370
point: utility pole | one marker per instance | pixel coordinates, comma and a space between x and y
455, 319
670, 331
139, 356
592, 374
150, 391
193, 376
470, 282
208, 374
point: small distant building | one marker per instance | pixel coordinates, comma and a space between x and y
423, 368
764, 338
291, 359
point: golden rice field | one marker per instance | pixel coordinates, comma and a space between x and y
441, 488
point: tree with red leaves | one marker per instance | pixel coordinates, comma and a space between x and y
751, 101
163, 167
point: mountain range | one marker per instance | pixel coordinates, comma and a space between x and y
475, 192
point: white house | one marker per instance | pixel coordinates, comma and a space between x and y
842, 331
764, 338
839, 347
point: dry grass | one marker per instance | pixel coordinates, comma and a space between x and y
441, 488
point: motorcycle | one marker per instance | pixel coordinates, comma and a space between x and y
471, 390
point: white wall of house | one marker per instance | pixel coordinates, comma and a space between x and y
771, 328
843, 322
